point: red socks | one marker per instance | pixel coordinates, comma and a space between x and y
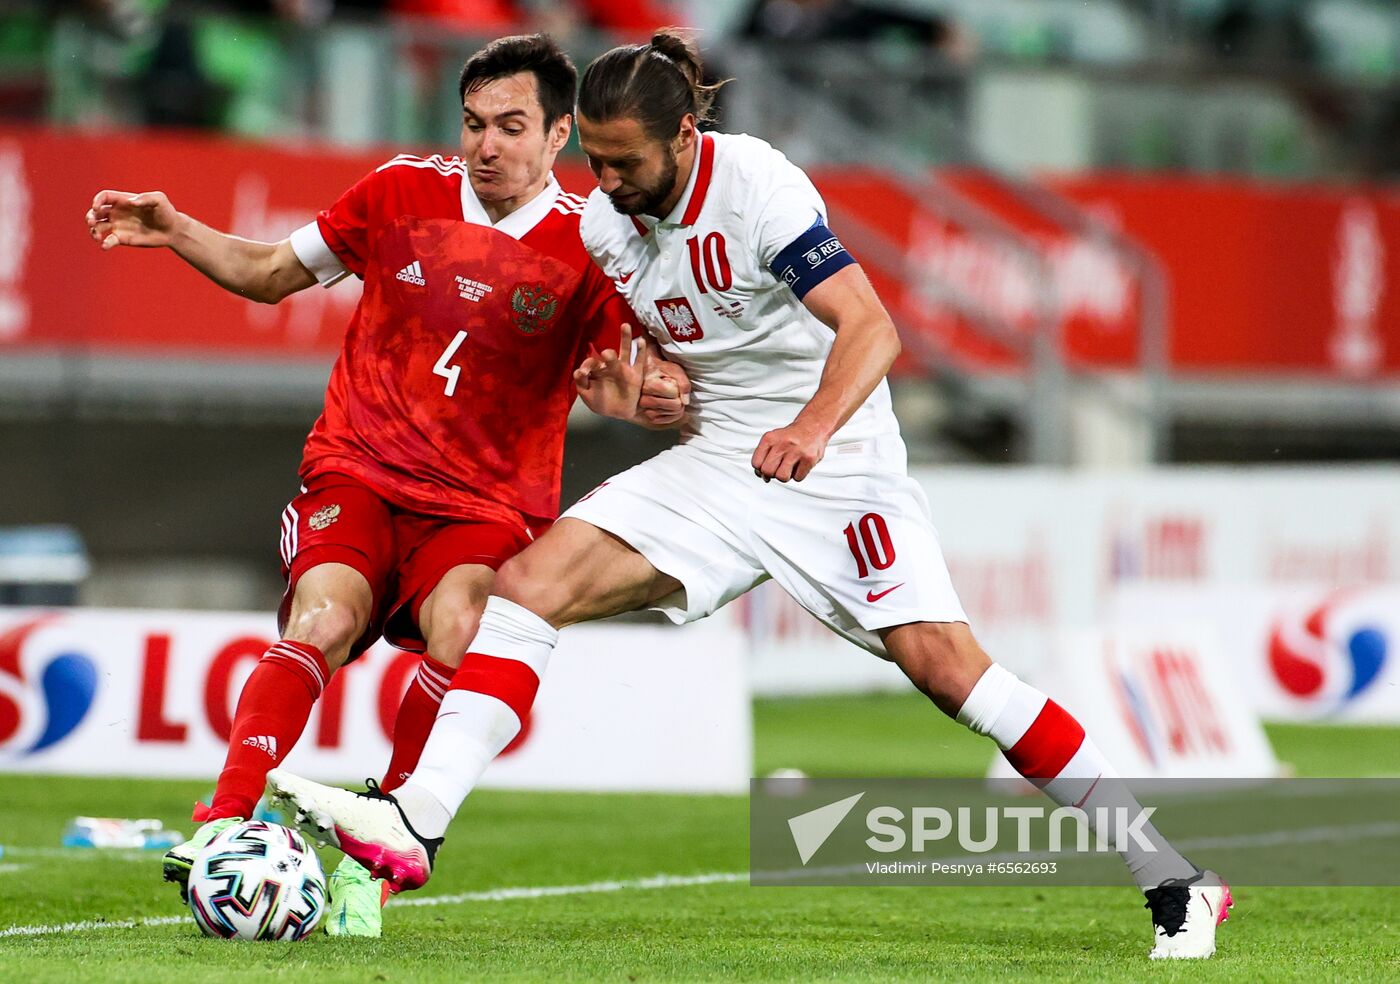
272, 713
417, 712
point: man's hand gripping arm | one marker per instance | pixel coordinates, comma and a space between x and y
631, 384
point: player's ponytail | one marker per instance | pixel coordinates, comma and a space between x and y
656, 84
682, 50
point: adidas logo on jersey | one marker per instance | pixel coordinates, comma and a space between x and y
412, 274
264, 743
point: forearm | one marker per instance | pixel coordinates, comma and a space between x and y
860, 357
265, 272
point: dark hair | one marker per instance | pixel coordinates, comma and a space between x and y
655, 84
554, 72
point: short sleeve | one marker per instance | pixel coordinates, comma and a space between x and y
316, 256
785, 204
347, 227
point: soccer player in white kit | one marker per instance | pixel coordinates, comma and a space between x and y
790, 466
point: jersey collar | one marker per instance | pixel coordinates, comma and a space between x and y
687, 210
517, 223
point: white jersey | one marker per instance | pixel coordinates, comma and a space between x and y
700, 280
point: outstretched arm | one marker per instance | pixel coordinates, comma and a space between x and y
865, 348
264, 272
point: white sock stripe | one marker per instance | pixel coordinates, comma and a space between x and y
1001, 706
510, 631
1085, 766
525, 622
296, 656
426, 672
436, 696
436, 693
1020, 713
301, 659
314, 668
433, 690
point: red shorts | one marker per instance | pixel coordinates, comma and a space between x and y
403, 555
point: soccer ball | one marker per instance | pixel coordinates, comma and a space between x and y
257, 881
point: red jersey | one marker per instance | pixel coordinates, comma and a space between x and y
452, 390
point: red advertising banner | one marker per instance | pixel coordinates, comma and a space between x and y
1260, 278
1271, 278
1289, 279
59, 290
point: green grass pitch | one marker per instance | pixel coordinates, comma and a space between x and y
609, 917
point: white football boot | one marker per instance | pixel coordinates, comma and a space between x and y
1185, 913
370, 827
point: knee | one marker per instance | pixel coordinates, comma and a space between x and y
942, 659
332, 625
449, 634
528, 582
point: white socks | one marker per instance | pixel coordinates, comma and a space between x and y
491, 695
1048, 746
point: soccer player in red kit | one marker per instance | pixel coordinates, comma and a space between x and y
439, 451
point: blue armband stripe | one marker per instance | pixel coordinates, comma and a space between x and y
810, 258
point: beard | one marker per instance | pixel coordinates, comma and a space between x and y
651, 196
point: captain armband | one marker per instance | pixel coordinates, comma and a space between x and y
810, 258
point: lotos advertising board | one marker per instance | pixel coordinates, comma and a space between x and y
622, 707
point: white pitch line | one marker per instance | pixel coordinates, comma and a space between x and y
545, 891
80, 927
1311, 834
492, 895
9, 869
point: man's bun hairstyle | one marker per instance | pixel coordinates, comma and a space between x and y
656, 83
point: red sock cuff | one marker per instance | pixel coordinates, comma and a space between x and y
1048, 744
508, 680
435, 678
304, 660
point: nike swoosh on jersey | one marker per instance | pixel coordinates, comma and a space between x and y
622, 278
872, 596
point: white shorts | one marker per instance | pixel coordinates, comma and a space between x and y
853, 543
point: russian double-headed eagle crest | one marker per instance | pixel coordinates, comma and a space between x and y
324, 517
533, 307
